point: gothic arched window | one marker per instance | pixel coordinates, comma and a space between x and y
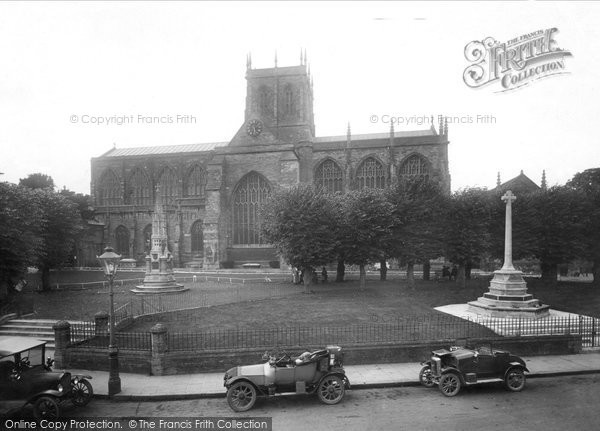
195, 182
329, 176
168, 186
197, 238
139, 191
109, 189
122, 240
415, 165
249, 195
370, 174
263, 101
288, 100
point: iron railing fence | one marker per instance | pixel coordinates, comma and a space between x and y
401, 331
86, 334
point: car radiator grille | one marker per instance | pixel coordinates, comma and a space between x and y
436, 366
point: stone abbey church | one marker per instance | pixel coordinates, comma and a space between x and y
211, 193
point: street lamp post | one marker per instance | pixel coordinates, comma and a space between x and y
110, 261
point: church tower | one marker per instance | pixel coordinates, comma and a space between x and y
279, 106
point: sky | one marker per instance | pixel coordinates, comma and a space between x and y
67, 66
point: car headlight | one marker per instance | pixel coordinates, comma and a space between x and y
60, 387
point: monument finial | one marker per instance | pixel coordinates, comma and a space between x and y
276, 58
498, 183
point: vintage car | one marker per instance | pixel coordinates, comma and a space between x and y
319, 371
25, 379
460, 366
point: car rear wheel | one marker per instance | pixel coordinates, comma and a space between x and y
515, 380
241, 396
331, 390
425, 377
82, 392
450, 384
46, 408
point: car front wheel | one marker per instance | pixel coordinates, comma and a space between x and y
82, 392
450, 384
46, 408
425, 377
515, 380
331, 390
241, 396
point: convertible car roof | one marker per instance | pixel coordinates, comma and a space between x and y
11, 345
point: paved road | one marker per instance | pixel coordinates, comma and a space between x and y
558, 403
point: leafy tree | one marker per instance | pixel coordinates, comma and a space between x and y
366, 226
60, 229
299, 222
37, 181
466, 234
84, 203
21, 219
417, 234
588, 184
552, 228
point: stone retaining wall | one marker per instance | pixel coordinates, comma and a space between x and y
159, 361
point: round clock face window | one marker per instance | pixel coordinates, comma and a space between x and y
254, 128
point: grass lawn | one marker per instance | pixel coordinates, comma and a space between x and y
253, 306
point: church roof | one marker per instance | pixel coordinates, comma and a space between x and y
197, 148
162, 149
521, 183
373, 136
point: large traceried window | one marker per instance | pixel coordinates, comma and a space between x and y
122, 241
329, 176
370, 174
168, 186
139, 191
197, 239
195, 182
249, 195
415, 165
109, 189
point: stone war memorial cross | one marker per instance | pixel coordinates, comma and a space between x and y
507, 296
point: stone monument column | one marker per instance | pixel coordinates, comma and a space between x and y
507, 296
508, 264
159, 276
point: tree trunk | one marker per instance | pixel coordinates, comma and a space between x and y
549, 271
341, 271
596, 273
45, 278
383, 270
363, 276
309, 277
426, 270
410, 274
468, 267
460, 276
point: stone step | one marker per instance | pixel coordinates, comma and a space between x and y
36, 322
25, 333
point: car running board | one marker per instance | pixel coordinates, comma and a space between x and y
491, 380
